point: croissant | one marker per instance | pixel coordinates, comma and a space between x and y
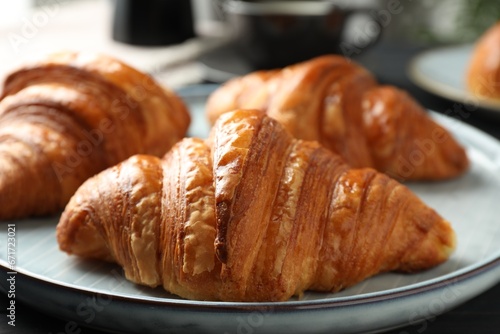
483, 74
71, 115
251, 214
332, 100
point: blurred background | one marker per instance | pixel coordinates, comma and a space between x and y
190, 41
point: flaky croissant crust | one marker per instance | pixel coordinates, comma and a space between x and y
338, 103
71, 115
251, 214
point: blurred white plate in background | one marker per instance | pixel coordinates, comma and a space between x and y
442, 71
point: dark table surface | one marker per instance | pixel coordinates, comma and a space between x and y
479, 315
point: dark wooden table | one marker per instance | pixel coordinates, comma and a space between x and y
479, 315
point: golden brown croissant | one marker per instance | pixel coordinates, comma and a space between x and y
251, 214
483, 75
71, 115
338, 103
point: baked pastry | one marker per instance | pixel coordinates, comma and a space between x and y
338, 103
251, 214
71, 115
483, 74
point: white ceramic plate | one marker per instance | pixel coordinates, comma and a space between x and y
442, 71
96, 294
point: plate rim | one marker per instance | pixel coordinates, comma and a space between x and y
442, 89
317, 304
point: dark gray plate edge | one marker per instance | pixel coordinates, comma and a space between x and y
47, 296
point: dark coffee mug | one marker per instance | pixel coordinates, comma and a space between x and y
271, 34
152, 22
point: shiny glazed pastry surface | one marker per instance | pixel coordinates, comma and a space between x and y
71, 115
332, 100
251, 214
483, 75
